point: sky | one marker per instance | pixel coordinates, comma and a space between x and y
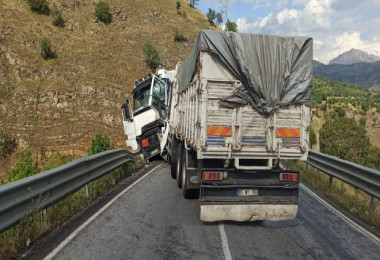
336, 26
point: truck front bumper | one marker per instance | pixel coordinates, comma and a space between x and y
248, 212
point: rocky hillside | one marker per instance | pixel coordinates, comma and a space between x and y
354, 56
63, 101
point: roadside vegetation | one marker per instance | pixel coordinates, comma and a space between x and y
345, 115
31, 227
353, 200
348, 121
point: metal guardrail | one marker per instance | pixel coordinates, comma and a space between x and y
46, 188
363, 178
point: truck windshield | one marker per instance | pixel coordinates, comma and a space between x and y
141, 98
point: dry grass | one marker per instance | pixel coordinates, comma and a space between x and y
352, 199
59, 102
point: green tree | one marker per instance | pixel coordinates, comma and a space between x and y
102, 12
45, 49
341, 112
373, 159
55, 160
313, 136
346, 139
152, 57
25, 167
211, 15
231, 26
100, 143
193, 2
219, 18
39, 6
7, 144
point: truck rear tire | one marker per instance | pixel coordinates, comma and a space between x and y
173, 159
179, 165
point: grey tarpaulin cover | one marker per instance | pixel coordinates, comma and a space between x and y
274, 70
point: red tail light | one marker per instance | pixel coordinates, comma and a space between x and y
214, 176
288, 176
145, 142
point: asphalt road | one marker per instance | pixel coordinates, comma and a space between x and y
151, 220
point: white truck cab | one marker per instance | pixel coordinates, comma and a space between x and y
144, 116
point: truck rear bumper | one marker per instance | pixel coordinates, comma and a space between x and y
248, 212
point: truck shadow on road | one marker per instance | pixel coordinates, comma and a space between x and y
259, 223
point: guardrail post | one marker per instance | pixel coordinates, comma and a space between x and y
86, 190
373, 204
43, 217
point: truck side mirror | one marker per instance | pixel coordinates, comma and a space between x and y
125, 110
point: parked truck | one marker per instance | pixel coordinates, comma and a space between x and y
240, 104
143, 117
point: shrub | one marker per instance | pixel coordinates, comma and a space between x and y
179, 36
178, 6
55, 160
46, 51
25, 167
7, 144
100, 143
57, 17
152, 56
362, 121
102, 11
39, 6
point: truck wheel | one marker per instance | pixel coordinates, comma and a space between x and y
187, 193
173, 159
179, 165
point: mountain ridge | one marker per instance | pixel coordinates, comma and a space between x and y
363, 74
354, 56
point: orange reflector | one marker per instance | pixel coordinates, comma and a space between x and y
145, 142
288, 132
215, 176
288, 177
219, 131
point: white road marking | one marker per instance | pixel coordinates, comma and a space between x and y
226, 249
85, 224
344, 217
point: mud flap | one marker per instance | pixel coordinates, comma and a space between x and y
165, 131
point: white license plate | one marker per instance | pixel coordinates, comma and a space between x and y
247, 192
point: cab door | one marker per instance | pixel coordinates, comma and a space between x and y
129, 125
159, 97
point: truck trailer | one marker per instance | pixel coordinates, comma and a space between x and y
240, 104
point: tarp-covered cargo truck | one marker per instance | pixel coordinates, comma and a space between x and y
240, 104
